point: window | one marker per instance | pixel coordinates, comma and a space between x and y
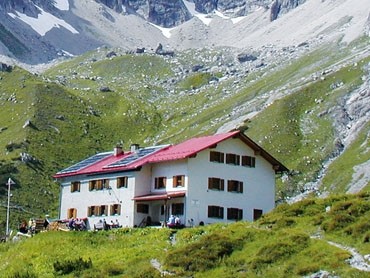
179, 181
98, 184
178, 209
75, 186
216, 157
71, 213
216, 184
215, 212
235, 186
142, 208
257, 213
232, 159
234, 214
248, 161
122, 182
160, 182
92, 211
103, 210
115, 209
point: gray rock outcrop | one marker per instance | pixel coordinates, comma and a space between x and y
160, 12
5, 67
168, 13
279, 7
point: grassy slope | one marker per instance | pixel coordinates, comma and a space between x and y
73, 114
278, 245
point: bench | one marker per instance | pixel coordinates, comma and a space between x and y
99, 226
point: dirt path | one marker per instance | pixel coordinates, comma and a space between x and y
357, 260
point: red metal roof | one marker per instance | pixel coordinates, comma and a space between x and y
190, 147
163, 196
182, 150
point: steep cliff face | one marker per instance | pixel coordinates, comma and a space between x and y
27, 7
159, 12
205, 6
168, 13
279, 7
233, 8
173, 13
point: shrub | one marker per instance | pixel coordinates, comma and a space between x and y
338, 221
69, 266
203, 254
358, 228
307, 269
23, 274
271, 253
290, 242
366, 238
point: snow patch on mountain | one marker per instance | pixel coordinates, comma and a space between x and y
165, 31
44, 22
207, 18
62, 5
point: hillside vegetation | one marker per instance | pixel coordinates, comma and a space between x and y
291, 241
90, 103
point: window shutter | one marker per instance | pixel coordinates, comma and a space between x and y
89, 211
174, 181
222, 184
241, 187
229, 185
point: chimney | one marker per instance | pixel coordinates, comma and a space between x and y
134, 147
117, 150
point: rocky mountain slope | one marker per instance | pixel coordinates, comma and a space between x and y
35, 31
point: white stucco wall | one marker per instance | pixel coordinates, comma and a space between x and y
85, 198
258, 184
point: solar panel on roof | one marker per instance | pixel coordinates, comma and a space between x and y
84, 163
140, 153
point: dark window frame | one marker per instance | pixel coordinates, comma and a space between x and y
142, 208
178, 181
215, 156
216, 184
122, 182
234, 214
98, 184
115, 209
248, 161
233, 159
257, 214
235, 186
75, 186
71, 213
177, 208
216, 212
160, 182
